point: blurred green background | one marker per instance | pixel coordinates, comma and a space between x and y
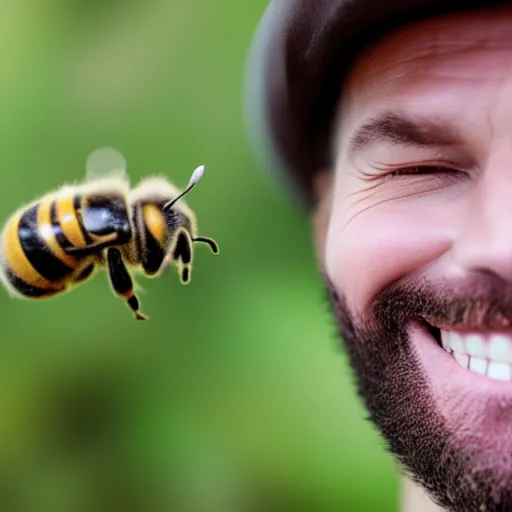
236, 396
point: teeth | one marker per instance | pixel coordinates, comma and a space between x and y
478, 365
454, 341
500, 348
500, 371
485, 354
462, 359
476, 346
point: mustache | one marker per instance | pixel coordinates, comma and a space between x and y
478, 301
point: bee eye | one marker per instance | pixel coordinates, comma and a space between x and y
172, 219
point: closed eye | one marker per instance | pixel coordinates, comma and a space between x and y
422, 169
443, 175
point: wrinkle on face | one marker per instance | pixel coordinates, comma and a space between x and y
361, 201
458, 68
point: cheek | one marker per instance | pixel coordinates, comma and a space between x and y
382, 244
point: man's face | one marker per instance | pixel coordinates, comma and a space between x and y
415, 237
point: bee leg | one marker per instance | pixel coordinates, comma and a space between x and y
93, 247
183, 255
208, 241
122, 281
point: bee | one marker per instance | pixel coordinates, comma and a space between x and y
59, 241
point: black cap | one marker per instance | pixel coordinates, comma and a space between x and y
300, 54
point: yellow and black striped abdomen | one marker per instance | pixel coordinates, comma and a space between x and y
35, 261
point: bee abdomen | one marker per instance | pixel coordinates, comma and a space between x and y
35, 264
38, 253
84, 274
26, 289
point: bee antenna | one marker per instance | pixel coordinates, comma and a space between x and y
196, 176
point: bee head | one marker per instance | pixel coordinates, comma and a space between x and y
180, 223
176, 219
176, 213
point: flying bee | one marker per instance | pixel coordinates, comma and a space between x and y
60, 240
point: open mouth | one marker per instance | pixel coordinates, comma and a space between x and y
484, 353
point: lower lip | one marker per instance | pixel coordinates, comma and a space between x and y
475, 410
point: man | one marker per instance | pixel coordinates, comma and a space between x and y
393, 122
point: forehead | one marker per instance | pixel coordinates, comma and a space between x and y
420, 62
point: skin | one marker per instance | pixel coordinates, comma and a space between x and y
434, 241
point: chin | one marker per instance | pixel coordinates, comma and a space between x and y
436, 379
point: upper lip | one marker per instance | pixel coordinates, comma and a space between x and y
472, 324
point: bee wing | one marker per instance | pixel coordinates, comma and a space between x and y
105, 162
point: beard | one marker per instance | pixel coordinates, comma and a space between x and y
459, 476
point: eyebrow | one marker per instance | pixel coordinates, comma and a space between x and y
393, 128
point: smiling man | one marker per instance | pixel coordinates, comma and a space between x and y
392, 122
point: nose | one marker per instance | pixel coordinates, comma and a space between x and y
484, 240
